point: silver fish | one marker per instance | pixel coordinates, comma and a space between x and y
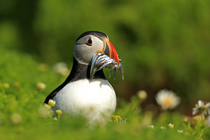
100, 60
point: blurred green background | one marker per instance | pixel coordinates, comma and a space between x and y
162, 44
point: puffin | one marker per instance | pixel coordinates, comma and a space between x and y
87, 92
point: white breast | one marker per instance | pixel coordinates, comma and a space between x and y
95, 99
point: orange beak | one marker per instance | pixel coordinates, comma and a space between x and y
109, 50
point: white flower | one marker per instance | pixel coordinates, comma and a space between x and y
170, 125
180, 131
167, 99
61, 68
151, 126
200, 106
163, 127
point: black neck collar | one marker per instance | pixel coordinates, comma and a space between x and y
81, 71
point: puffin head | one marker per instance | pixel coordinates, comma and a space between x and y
91, 42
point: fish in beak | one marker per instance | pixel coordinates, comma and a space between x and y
107, 57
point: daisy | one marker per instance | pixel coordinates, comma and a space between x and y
200, 106
167, 99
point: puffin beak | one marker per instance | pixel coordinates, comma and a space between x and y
109, 50
107, 57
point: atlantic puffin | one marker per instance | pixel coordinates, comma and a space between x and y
84, 92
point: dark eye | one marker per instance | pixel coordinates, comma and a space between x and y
89, 42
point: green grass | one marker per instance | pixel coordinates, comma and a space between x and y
19, 74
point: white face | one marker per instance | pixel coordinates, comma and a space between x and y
86, 47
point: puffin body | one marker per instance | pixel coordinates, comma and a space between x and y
80, 94
96, 100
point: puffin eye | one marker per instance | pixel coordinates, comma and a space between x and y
89, 42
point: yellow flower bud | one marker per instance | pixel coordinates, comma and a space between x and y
142, 94
47, 106
185, 119
55, 119
187, 133
6, 85
51, 102
16, 118
40, 86
17, 84
58, 112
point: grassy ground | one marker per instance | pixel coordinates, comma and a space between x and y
20, 101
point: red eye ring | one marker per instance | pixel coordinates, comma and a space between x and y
89, 42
